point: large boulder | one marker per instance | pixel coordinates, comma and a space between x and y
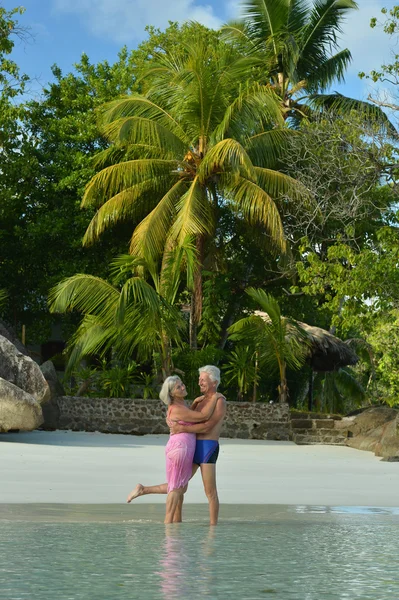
6, 331
51, 411
23, 389
22, 371
388, 446
375, 429
18, 409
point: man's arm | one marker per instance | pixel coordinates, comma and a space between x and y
218, 415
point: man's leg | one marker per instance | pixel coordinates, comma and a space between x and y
208, 472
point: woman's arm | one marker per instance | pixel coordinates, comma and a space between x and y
182, 413
196, 402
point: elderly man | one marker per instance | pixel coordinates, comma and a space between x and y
207, 446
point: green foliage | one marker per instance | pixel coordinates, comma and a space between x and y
354, 285
134, 313
338, 392
104, 381
12, 83
117, 382
3, 298
294, 47
241, 370
188, 361
278, 341
384, 338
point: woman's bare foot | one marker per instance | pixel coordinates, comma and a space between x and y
138, 491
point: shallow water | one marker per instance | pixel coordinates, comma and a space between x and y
61, 552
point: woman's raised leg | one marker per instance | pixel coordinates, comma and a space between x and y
142, 490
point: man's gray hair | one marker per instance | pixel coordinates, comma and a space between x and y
213, 372
167, 388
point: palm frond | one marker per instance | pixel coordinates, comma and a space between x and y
255, 107
226, 156
117, 178
257, 207
277, 184
3, 297
330, 70
239, 32
138, 105
343, 105
266, 148
136, 291
140, 130
194, 216
129, 204
267, 18
150, 235
84, 293
90, 338
324, 23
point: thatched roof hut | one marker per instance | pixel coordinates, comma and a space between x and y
328, 353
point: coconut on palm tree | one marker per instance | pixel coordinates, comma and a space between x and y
198, 139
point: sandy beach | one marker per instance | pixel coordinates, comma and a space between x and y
90, 468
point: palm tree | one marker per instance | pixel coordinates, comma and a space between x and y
129, 314
295, 47
338, 391
280, 342
194, 142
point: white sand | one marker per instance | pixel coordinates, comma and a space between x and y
69, 467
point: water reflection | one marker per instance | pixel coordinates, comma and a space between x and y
184, 563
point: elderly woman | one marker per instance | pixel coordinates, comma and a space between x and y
180, 448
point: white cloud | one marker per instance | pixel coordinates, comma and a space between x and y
123, 21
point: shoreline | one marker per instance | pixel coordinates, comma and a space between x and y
65, 467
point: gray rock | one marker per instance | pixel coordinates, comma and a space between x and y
22, 371
51, 410
376, 430
18, 409
50, 375
7, 332
388, 446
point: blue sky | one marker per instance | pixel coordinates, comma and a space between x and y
61, 30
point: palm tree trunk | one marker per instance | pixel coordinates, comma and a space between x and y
196, 296
165, 356
256, 377
283, 387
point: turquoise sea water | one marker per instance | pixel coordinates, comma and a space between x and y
61, 552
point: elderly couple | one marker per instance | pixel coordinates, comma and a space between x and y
193, 443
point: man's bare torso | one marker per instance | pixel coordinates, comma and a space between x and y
214, 433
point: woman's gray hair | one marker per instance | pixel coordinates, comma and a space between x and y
213, 372
168, 387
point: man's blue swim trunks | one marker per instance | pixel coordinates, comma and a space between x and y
206, 452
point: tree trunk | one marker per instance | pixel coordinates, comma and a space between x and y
196, 296
165, 356
283, 387
256, 377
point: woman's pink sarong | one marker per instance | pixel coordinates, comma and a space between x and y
179, 454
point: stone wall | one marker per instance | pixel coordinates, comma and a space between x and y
258, 421
315, 428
